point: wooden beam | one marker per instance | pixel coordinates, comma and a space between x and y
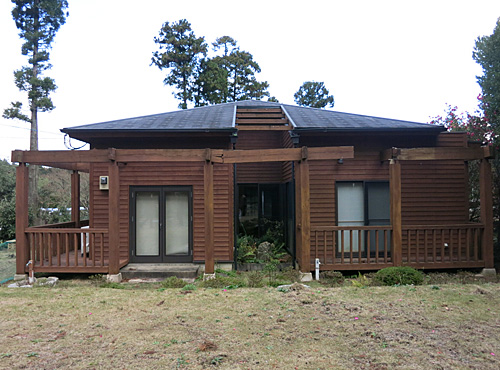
432, 154
208, 172
22, 245
263, 120
75, 198
283, 154
486, 205
114, 218
41, 157
395, 195
264, 128
80, 167
80, 160
163, 155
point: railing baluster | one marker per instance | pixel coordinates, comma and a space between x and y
341, 246
450, 245
417, 246
426, 256
75, 248
376, 245
351, 246
58, 246
442, 245
325, 241
66, 242
84, 248
434, 246
102, 250
476, 245
467, 245
368, 246
459, 258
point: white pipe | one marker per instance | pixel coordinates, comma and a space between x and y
317, 263
31, 276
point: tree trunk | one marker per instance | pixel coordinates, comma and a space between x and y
34, 170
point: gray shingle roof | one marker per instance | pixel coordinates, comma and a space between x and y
221, 117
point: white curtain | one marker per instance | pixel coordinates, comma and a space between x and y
176, 223
147, 224
350, 213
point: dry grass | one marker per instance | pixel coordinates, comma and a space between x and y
80, 326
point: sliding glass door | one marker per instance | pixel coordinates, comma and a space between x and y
161, 224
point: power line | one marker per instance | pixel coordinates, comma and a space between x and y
29, 129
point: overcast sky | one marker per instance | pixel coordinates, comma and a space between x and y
395, 59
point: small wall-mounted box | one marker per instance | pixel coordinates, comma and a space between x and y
103, 182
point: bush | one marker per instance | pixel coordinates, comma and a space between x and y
189, 287
255, 279
331, 278
290, 274
246, 246
173, 282
223, 282
399, 275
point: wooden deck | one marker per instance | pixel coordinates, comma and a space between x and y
65, 248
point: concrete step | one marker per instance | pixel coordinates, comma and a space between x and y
160, 270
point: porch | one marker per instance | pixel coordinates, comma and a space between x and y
63, 247
69, 248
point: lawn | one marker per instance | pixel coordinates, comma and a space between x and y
80, 325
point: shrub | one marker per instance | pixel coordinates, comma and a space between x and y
173, 282
399, 275
290, 274
247, 247
189, 287
223, 282
331, 278
255, 279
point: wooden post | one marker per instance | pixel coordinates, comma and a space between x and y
75, 198
304, 211
22, 220
208, 171
395, 189
298, 216
114, 218
486, 202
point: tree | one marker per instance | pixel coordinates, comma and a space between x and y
37, 21
479, 129
179, 51
7, 200
314, 94
225, 77
487, 54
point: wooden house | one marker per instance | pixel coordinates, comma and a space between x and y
355, 192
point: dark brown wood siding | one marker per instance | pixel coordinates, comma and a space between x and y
175, 174
287, 167
270, 172
433, 192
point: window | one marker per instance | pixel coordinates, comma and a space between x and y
362, 204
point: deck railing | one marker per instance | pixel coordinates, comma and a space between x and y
443, 246
64, 248
352, 247
369, 247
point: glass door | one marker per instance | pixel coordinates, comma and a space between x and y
161, 224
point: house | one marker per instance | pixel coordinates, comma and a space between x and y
355, 192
